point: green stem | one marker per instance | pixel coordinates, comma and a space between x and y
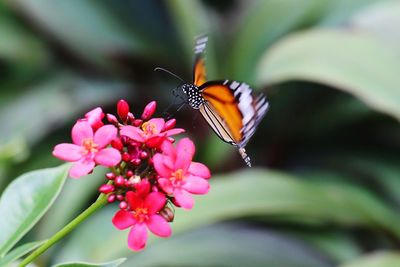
100, 202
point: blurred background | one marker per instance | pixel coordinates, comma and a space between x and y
325, 189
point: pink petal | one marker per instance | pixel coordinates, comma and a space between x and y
162, 170
158, 123
137, 237
123, 219
67, 152
108, 157
133, 133
134, 200
81, 168
199, 169
155, 201
159, 226
94, 118
104, 135
184, 199
81, 131
166, 185
168, 149
184, 151
174, 131
196, 185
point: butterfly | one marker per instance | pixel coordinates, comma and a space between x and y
229, 107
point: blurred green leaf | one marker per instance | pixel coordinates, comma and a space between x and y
74, 195
382, 20
18, 253
87, 264
262, 193
228, 245
263, 23
18, 45
85, 27
25, 118
25, 201
355, 63
377, 259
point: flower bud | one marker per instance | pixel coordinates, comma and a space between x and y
112, 119
143, 155
119, 181
122, 109
136, 161
149, 110
129, 173
120, 197
123, 205
137, 123
169, 124
111, 198
106, 188
126, 157
131, 117
110, 175
168, 214
117, 144
94, 118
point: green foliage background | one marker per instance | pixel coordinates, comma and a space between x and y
326, 187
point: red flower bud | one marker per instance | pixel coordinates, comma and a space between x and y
136, 161
126, 157
129, 173
112, 119
122, 109
143, 154
120, 197
110, 175
119, 181
106, 188
149, 110
123, 205
169, 124
137, 123
131, 118
111, 198
117, 144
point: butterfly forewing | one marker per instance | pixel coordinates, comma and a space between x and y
199, 69
234, 110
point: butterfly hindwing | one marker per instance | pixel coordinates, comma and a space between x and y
199, 69
232, 110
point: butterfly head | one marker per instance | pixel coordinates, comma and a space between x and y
194, 97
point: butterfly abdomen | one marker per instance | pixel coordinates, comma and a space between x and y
194, 97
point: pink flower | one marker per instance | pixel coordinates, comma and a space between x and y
94, 118
150, 132
142, 213
88, 148
178, 175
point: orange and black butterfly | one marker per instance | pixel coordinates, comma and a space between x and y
229, 107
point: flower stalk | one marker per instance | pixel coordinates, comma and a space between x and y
100, 202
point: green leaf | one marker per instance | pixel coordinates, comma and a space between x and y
18, 253
114, 263
25, 201
353, 62
100, 36
229, 245
27, 117
378, 259
262, 193
262, 24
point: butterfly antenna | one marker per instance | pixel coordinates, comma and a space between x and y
169, 72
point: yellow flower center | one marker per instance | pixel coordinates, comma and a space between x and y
177, 177
149, 128
141, 214
89, 146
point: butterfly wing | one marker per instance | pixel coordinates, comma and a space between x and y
232, 111
199, 69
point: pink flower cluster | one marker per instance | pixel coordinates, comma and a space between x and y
148, 173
